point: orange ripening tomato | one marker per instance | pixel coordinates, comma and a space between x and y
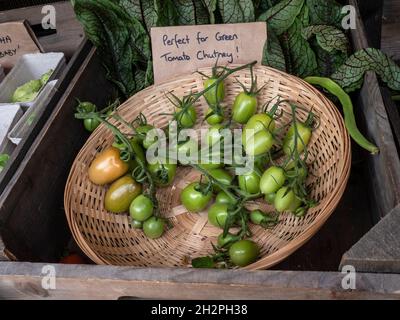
107, 167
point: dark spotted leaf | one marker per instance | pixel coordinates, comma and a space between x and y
329, 38
273, 55
235, 11
281, 16
351, 74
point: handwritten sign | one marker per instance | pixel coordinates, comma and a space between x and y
16, 39
183, 49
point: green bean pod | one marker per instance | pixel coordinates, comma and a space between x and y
347, 105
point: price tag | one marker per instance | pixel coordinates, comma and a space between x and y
183, 49
16, 39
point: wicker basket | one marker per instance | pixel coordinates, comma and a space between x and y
108, 238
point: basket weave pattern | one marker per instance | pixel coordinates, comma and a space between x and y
108, 238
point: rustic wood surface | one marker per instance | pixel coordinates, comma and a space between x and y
69, 33
390, 42
23, 281
393, 112
379, 249
384, 168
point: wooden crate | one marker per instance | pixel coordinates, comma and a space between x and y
33, 226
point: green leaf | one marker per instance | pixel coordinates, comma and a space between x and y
143, 10
191, 12
328, 62
281, 16
3, 161
328, 37
304, 16
273, 55
203, 262
351, 74
236, 11
325, 12
211, 6
300, 58
122, 42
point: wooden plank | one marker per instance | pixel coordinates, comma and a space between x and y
23, 281
69, 33
35, 229
385, 167
393, 112
390, 42
379, 249
371, 12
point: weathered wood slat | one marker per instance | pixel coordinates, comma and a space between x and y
379, 249
23, 281
385, 167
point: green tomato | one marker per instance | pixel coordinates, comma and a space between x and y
142, 131
215, 94
222, 176
286, 200
91, 124
244, 107
210, 166
257, 217
227, 241
193, 199
223, 198
136, 224
304, 136
259, 143
87, 107
272, 179
188, 152
121, 193
141, 208
217, 215
154, 227
244, 252
213, 118
187, 118
261, 121
214, 135
163, 174
270, 198
250, 183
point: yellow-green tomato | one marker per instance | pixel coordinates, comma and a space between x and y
214, 135
107, 167
217, 93
303, 138
194, 199
217, 215
222, 176
223, 198
244, 106
187, 118
250, 182
261, 142
244, 252
286, 200
261, 121
213, 118
272, 179
270, 198
121, 193
141, 208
